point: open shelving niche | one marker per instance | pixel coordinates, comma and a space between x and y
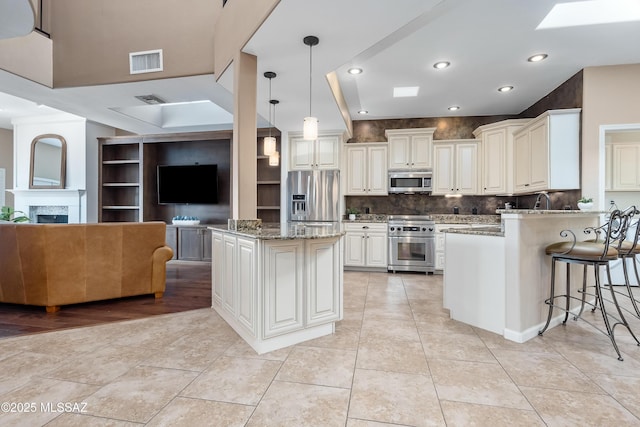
128, 174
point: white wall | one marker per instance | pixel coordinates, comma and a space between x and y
610, 99
6, 163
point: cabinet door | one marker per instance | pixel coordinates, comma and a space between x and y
206, 244
283, 293
376, 249
327, 152
228, 288
354, 248
324, 282
172, 240
494, 161
539, 146
301, 154
608, 167
420, 152
377, 171
247, 284
522, 162
399, 152
625, 167
217, 268
467, 168
189, 244
356, 170
443, 169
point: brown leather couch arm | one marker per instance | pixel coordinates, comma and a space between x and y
159, 271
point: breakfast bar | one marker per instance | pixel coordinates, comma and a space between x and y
277, 286
497, 278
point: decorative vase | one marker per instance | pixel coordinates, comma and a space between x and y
352, 217
585, 206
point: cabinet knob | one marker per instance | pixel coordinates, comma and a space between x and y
407, 164
365, 227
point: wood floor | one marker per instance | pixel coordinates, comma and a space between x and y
188, 288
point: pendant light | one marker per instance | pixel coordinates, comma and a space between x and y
310, 128
269, 142
274, 157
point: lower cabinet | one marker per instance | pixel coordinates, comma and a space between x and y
366, 245
189, 243
440, 235
276, 292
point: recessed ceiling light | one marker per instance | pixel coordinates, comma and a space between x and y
440, 65
454, 108
355, 70
537, 58
505, 89
407, 91
363, 112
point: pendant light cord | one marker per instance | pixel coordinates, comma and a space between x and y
310, 74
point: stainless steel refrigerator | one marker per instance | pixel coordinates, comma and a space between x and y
313, 196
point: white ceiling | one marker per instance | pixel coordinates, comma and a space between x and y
396, 43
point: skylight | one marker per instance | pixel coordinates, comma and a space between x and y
591, 12
406, 91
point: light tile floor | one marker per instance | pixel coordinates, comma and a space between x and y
396, 359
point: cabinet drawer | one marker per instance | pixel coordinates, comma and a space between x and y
365, 226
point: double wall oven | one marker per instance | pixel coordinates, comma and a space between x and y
411, 243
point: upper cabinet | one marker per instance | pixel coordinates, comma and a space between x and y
410, 148
497, 155
366, 169
321, 153
547, 152
455, 169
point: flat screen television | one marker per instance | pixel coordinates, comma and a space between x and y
188, 184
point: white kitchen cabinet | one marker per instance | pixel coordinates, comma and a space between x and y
497, 155
608, 167
323, 299
367, 169
283, 268
547, 152
410, 148
455, 169
366, 245
625, 166
277, 292
322, 153
440, 236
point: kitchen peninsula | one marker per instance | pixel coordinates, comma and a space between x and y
277, 286
506, 274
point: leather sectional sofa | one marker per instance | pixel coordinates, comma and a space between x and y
52, 265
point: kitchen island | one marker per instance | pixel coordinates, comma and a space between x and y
497, 278
277, 287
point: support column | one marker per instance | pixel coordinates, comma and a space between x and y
243, 152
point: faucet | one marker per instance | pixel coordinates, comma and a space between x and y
537, 204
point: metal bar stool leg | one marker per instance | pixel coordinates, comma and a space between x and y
550, 300
623, 320
603, 310
584, 292
627, 282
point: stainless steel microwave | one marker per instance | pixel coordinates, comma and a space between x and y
410, 182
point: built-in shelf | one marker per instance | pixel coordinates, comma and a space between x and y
118, 207
120, 162
121, 184
269, 207
268, 182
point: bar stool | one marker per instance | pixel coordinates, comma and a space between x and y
628, 249
596, 253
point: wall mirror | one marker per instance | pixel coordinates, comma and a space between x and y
48, 162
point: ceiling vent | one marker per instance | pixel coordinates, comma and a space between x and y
149, 61
151, 99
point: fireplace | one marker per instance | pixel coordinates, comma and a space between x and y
49, 214
52, 219
59, 203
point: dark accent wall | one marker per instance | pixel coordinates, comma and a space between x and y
567, 95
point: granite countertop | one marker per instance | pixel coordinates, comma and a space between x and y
465, 219
491, 230
289, 233
549, 212
368, 218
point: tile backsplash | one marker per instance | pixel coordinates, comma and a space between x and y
418, 204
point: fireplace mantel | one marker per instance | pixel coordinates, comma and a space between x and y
73, 198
